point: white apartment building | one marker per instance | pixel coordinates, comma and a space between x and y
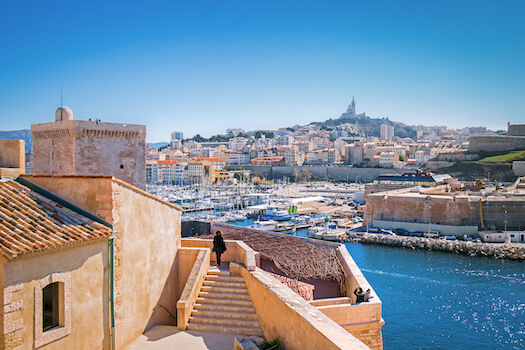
420, 157
400, 150
237, 143
387, 159
237, 158
387, 132
293, 157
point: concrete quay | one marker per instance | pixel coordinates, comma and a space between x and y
497, 251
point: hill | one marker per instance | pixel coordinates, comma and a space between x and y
24, 134
158, 144
370, 126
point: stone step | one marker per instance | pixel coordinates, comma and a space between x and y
215, 271
224, 329
220, 307
224, 278
224, 321
214, 295
221, 283
225, 314
235, 290
229, 302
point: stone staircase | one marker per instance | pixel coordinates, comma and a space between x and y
224, 306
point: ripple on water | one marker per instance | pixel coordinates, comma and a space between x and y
434, 300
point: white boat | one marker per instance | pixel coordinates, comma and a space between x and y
328, 233
264, 225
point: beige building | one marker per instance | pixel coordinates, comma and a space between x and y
78, 147
57, 265
91, 262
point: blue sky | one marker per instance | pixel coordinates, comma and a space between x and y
204, 66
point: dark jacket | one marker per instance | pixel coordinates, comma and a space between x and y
218, 244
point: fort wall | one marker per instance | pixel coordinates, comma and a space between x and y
516, 130
77, 147
325, 172
495, 143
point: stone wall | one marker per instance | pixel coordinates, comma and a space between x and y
446, 210
516, 130
495, 143
285, 315
77, 147
325, 172
519, 168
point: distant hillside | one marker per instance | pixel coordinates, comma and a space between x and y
19, 135
158, 144
371, 126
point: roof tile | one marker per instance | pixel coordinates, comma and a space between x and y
31, 222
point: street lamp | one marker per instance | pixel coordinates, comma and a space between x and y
427, 200
507, 238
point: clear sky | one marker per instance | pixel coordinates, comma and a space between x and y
204, 66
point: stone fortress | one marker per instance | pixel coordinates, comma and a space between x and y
79, 147
515, 139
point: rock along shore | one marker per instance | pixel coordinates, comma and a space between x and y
458, 247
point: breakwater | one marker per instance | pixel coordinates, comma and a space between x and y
496, 251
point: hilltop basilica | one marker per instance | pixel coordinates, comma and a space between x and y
350, 112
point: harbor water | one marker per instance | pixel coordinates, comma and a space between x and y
435, 300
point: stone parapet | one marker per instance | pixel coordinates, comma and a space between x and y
79, 147
285, 315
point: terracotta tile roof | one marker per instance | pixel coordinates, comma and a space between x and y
31, 222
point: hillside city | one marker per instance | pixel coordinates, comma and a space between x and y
345, 143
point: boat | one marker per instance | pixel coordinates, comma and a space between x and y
272, 213
327, 233
285, 228
272, 225
264, 224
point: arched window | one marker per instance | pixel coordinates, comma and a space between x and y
52, 308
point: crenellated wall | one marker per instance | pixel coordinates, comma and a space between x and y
79, 147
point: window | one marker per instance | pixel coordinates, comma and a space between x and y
50, 304
52, 308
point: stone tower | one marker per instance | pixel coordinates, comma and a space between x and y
79, 147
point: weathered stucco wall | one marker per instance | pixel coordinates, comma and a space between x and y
148, 237
88, 268
91, 193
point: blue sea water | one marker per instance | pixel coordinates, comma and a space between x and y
435, 300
